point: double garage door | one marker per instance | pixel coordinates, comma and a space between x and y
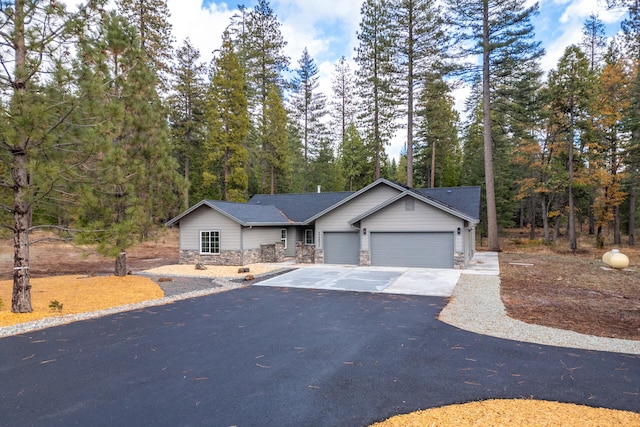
426, 249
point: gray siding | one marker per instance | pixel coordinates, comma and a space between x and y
256, 236
205, 218
338, 219
424, 217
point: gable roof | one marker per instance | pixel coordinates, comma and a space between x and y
304, 208
428, 200
242, 213
300, 207
354, 195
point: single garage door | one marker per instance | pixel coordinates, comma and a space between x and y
341, 248
430, 250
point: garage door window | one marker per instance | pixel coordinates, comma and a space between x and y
210, 242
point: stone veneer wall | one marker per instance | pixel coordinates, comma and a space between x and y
365, 258
272, 252
305, 254
251, 256
458, 261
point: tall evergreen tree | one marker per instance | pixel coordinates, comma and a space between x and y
262, 48
355, 160
37, 106
499, 31
151, 19
275, 154
571, 88
309, 109
228, 127
419, 45
438, 148
186, 116
377, 85
343, 102
594, 40
133, 179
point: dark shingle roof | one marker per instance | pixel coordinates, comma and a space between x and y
249, 214
463, 199
300, 207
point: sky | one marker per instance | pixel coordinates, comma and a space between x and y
327, 28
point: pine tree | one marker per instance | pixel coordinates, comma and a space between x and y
275, 153
133, 179
438, 148
594, 41
419, 46
38, 106
186, 116
309, 109
354, 160
377, 85
262, 49
343, 102
501, 32
571, 88
228, 127
151, 19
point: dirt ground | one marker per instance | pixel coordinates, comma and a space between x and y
554, 287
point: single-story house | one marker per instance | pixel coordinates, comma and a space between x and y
383, 224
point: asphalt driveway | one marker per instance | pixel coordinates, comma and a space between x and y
264, 356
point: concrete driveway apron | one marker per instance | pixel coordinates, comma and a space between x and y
388, 280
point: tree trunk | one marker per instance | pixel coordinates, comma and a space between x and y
532, 230
545, 221
433, 164
273, 179
492, 215
410, 111
556, 230
121, 264
616, 226
21, 296
573, 244
186, 178
632, 206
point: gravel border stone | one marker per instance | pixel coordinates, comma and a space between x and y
476, 306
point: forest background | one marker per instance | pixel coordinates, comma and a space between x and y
110, 126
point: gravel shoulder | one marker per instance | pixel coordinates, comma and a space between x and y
476, 306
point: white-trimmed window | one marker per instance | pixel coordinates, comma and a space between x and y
210, 242
308, 236
283, 237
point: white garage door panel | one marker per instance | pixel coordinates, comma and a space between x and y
430, 250
341, 248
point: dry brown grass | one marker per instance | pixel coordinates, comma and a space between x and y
514, 413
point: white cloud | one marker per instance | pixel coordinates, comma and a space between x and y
204, 27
